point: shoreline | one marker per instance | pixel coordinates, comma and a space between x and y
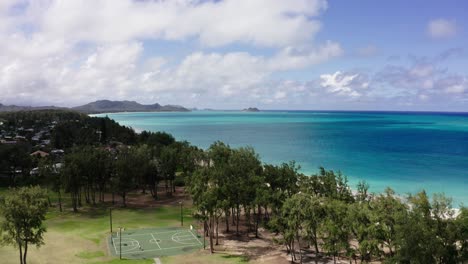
377, 183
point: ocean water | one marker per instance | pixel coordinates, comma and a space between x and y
408, 152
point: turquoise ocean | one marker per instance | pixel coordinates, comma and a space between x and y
408, 152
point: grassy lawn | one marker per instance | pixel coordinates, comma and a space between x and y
81, 237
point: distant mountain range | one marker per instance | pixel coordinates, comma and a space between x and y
13, 108
106, 106
103, 106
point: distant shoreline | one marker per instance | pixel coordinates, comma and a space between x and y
298, 111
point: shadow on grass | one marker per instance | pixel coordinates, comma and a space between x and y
241, 259
90, 255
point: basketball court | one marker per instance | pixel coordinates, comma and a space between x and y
150, 243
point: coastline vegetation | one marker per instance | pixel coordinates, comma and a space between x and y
312, 216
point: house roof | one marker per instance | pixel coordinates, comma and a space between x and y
40, 153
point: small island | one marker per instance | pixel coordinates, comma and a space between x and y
251, 109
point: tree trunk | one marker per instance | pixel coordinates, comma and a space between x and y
207, 233
226, 214
259, 213
299, 247
247, 217
86, 194
93, 195
48, 198
237, 220
211, 234
21, 251
102, 194
316, 246
233, 216
204, 232
123, 200
293, 255
156, 191
79, 198
293, 249
74, 202
25, 252
60, 200
217, 225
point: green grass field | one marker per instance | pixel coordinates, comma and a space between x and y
82, 237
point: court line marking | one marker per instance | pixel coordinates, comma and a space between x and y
191, 238
184, 236
162, 248
114, 246
197, 238
156, 233
133, 244
180, 241
132, 251
155, 240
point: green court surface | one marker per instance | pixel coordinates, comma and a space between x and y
151, 243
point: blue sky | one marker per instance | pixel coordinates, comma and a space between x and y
230, 54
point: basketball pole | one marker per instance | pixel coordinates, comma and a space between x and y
181, 215
120, 246
110, 219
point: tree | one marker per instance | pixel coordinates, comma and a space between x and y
158, 139
168, 166
333, 185
72, 177
205, 191
314, 218
416, 236
244, 167
462, 227
50, 178
364, 229
24, 210
389, 212
294, 212
15, 161
282, 181
128, 168
335, 228
445, 229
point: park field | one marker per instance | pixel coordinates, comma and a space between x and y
82, 237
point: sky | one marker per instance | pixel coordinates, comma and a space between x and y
233, 54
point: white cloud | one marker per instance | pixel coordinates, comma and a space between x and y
422, 70
453, 84
71, 52
280, 95
296, 58
442, 28
341, 84
215, 23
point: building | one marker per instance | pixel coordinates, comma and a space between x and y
40, 153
